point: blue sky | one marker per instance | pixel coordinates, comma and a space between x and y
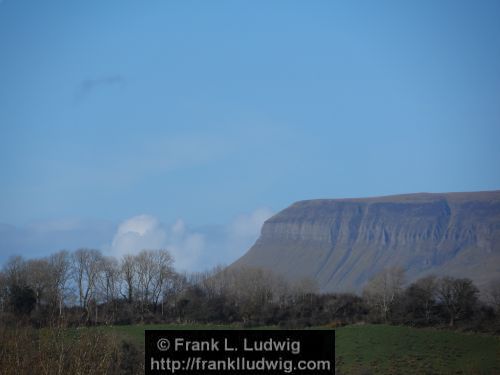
211, 115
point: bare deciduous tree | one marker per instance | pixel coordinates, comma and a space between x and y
252, 288
15, 271
60, 263
39, 278
458, 296
87, 264
154, 267
108, 281
129, 276
164, 272
493, 294
3, 291
421, 296
174, 286
383, 290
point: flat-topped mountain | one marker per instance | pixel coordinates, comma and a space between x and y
342, 243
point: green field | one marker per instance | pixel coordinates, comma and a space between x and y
382, 349
404, 350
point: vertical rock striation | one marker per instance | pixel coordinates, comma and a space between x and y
342, 243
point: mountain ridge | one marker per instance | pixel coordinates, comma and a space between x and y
342, 243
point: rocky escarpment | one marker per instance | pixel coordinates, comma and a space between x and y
343, 243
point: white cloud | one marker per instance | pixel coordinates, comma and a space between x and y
179, 227
193, 250
186, 246
243, 231
138, 233
146, 232
249, 225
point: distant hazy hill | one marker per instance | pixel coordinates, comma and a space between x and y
343, 242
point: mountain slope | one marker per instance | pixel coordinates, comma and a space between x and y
342, 243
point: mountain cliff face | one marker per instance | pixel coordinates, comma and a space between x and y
342, 243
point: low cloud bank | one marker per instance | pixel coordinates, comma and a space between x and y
192, 249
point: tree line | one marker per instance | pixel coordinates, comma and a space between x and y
87, 287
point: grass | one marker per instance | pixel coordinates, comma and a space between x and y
383, 349
393, 350
135, 333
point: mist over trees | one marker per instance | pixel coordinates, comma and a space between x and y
85, 287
